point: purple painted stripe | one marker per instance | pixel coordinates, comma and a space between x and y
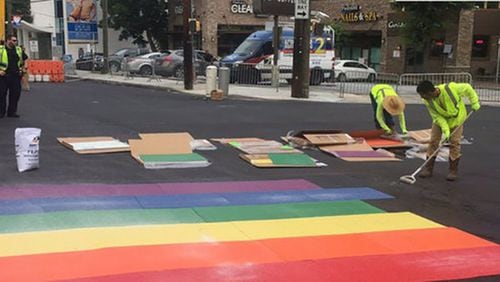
85, 190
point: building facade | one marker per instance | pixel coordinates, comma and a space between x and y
72, 28
368, 30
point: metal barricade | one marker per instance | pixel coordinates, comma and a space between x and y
360, 82
409, 81
487, 88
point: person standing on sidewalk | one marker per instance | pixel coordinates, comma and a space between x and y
447, 110
12, 60
386, 104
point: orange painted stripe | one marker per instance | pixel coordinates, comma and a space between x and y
113, 261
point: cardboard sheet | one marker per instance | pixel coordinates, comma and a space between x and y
373, 139
69, 142
329, 139
229, 140
298, 139
161, 146
364, 151
421, 136
263, 147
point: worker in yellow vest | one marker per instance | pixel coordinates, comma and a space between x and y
447, 109
12, 60
386, 104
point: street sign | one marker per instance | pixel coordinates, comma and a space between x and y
33, 46
273, 7
302, 9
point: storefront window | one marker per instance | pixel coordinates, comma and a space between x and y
480, 46
437, 47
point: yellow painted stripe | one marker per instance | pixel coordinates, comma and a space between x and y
70, 240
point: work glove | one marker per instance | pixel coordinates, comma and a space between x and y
475, 107
388, 133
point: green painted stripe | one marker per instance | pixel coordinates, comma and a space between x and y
126, 217
279, 211
81, 219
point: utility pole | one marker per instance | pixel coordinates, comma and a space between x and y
105, 42
188, 46
301, 49
276, 52
8, 17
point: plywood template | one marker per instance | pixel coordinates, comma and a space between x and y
94, 145
174, 161
281, 160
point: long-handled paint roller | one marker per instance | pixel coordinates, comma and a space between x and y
410, 179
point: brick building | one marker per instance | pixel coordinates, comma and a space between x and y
371, 31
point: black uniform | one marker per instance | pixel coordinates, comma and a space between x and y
10, 83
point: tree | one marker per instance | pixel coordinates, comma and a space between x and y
139, 18
425, 20
23, 8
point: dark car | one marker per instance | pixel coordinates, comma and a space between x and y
89, 61
116, 60
173, 63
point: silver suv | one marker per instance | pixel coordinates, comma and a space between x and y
117, 58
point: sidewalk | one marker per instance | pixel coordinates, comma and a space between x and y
317, 93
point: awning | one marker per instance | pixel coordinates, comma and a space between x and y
33, 28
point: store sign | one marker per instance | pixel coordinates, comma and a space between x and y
395, 24
274, 7
241, 7
353, 13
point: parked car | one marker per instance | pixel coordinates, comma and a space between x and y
143, 64
115, 60
353, 70
89, 61
173, 63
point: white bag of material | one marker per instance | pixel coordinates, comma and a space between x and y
27, 145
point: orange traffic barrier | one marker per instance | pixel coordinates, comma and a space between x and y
53, 69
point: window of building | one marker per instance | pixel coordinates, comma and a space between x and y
480, 46
414, 57
437, 47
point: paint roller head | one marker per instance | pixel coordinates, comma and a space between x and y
408, 179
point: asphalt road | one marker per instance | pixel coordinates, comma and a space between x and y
91, 109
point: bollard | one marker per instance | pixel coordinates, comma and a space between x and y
211, 80
224, 75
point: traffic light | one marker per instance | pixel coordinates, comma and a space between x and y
194, 25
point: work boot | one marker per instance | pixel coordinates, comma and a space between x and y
427, 170
452, 176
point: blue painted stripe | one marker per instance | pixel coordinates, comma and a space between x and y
187, 201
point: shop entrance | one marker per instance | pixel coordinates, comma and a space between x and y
361, 46
414, 62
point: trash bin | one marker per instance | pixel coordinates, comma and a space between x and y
224, 75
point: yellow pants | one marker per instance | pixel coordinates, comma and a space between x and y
455, 148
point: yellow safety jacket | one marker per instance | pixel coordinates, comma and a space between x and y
448, 109
4, 58
379, 92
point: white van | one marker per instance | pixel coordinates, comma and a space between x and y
252, 61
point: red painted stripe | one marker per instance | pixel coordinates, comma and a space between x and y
428, 266
113, 261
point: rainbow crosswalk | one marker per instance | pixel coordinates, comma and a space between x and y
280, 230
